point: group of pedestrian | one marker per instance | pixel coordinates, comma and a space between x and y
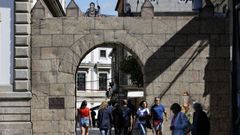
180, 124
124, 117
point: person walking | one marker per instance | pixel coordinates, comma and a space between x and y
200, 125
179, 120
104, 119
84, 115
157, 112
123, 120
142, 116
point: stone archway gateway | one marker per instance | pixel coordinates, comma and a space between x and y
178, 54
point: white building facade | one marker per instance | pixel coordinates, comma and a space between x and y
6, 43
7, 40
94, 76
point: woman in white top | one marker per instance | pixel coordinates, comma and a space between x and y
142, 115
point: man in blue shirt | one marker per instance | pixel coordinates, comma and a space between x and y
157, 111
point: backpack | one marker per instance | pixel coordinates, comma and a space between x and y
125, 116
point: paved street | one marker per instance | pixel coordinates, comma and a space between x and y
95, 131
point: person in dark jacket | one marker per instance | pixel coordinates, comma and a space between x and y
104, 119
200, 125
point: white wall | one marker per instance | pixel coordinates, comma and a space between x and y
92, 76
6, 41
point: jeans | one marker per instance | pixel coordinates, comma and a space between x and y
142, 128
104, 131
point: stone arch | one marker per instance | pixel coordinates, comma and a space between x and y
84, 45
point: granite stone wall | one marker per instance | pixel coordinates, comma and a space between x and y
177, 53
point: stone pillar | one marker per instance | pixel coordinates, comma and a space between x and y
22, 46
72, 9
147, 10
15, 104
38, 10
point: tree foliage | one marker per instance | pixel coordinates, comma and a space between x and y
129, 65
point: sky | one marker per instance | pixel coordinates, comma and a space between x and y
107, 6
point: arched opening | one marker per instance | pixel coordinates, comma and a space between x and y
108, 72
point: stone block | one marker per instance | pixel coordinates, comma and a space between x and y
225, 40
137, 25
22, 7
36, 78
188, 25
51, 26
109, 23
22, 62
41, 89
22, 40
36, 53
15, 110
49, 53
97, 36
38, 13
191, 76
46, 127
41, 40
22, 52
199, 64
15, 103
67, 126
176, 40
36, 115
77, 37
48, 77
22, 85
70, 89
162, 26
11, 117
22, 74
22, 18
181, 64
35, 26
82, 25
70, 114
62, 40
58, 114
222, 52
212, 25
65, 78
69, 101
40, 102
197, 39
119, 35
71, 12
57, 89
41, 65
66, 67
24, 29
197, 88
154, 40
46, 115
16, 128
109, 35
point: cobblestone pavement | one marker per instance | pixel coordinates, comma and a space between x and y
95, 131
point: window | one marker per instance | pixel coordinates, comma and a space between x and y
103, 53
81, 80
102, 81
